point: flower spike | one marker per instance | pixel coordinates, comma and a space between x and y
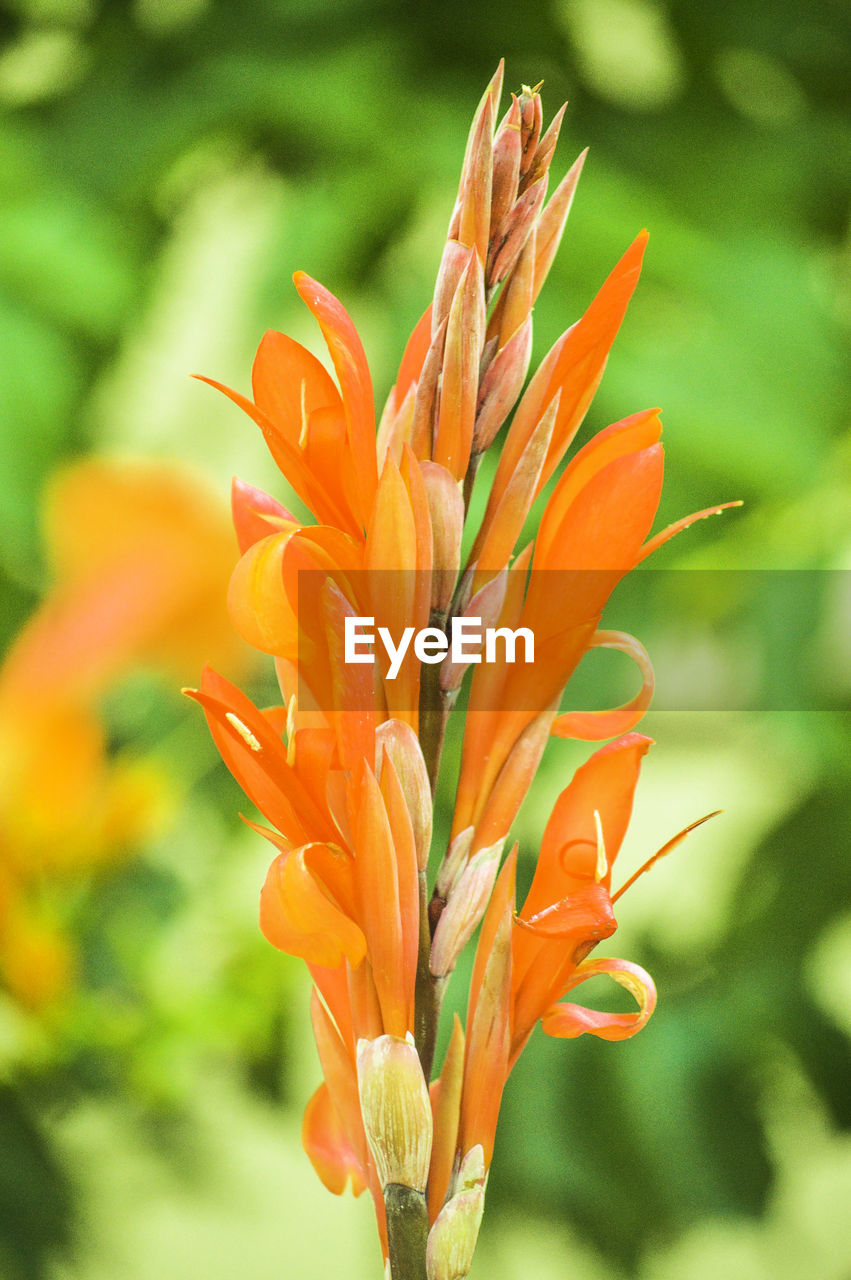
375, 618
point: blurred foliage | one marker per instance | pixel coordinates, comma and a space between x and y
164, 166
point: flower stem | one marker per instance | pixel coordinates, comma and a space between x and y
427, 993
407, 1231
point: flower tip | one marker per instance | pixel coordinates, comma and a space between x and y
306, 286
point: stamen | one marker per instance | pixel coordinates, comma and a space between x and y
243, 731
602, 860
302, 435
666, 848
292, 708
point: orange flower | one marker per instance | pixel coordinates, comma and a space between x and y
545, 948
345, 770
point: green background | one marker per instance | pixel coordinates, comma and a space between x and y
164, 167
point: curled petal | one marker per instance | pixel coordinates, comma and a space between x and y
324, 1140
583, 916
566, 1021
299, 917
593, 726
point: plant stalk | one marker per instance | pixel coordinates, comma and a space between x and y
407, 1231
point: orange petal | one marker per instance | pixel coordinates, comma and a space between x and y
289, 384
324, 1140
547, 947
414, 357
255, 514
338, 1068
605, 784
379, 907
566, 1021
592, 726
257, 600
488, 1018
290, 460
575, 367
257, 758
350, 363
629, 436
446, 1106
298, 916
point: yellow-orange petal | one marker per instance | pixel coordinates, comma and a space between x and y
256, 514
298, 916
566, 1021
488, 1019
257, 599
592, 726
324, 1140
446, 1108
352, 370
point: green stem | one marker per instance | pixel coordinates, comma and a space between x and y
407, 1231
470, 480
427, 996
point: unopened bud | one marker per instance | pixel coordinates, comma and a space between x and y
501, 385
531, 116
453, 264
545, 148
403, 748
452, 1239
507, 149
516, 230
465, 907
396, 1110
454, 863
486, 606
425, 401
446, 508
465, 333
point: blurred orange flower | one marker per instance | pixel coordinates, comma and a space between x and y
140, 557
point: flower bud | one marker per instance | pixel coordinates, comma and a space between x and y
454, 863
501, 385
517, 226
396, 1110
465, 335
452, 1239
545, 148
446, 508
403, 748
465, 907
507, 149
425, 401
531, 117
485, 605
